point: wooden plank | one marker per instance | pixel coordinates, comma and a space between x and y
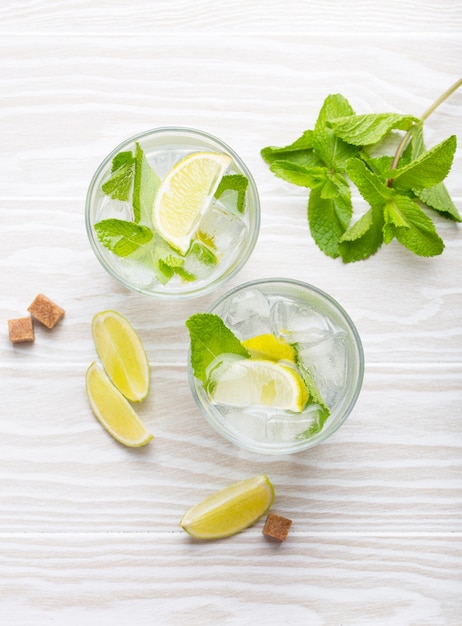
119, 578
395, 464
204, 16
406, 324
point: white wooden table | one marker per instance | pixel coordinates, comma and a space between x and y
89, 530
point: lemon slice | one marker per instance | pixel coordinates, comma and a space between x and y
122, 354
269, 347
184, 196
258, 382
230, 510
113, 410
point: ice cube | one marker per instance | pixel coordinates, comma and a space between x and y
225, 230
284, 427
327, 361
251, 425
247, 313
295, 323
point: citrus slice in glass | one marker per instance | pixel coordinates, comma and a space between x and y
268, 346
230, 510
258, 382
113, 410
122, 354
184, 196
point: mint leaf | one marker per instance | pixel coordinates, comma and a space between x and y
121, 237
299, 174
300, 151
438, 198
328, 219
234, 182
333, 107
315, 397
146, 184
370, 186
332, 151
118, 186
210, 338
364, 238
412, 228
172, 264
203, 253
429, 169
363, 130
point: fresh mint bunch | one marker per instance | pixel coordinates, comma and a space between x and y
338, 152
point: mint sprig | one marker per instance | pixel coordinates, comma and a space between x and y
338, 152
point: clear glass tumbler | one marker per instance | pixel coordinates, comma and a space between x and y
327, 344
230, 233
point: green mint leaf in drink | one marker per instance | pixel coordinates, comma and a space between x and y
412, 227
364, 238
172, 265
364, 130
203, 253
329, 219
210, 338
145, 186
119, 185
121, 237
429, 169
234, 182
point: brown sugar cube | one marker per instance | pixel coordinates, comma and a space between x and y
46, 311
21, 330
277, 527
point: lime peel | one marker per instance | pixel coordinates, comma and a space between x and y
231, 510
267, 346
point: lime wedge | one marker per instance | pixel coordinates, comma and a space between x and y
184, 196
113, 410
122, 354
230, 510
268, 346
258, 382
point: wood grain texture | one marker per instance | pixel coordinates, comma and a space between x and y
106, 16
109, 579
395, 464
89, 529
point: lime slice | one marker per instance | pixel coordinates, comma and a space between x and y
122, 354
258, 382
113, 410
184, 196
230, 510
269, 347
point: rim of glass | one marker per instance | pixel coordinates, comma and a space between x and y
189, 291
286, 448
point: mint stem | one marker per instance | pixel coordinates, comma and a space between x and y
404, 141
